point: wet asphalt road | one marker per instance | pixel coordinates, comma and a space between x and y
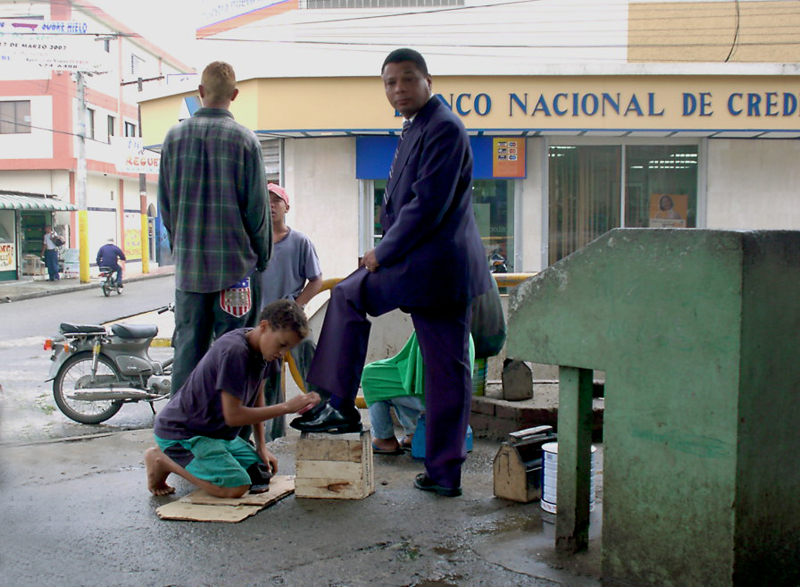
77, 513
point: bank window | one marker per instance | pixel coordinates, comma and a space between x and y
493, 204
15, 117
112, 122
584, 196
661, 186
130, 129
379, 189
659, 183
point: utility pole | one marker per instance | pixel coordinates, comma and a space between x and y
80, 181
143, 204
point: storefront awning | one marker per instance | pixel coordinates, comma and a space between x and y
30, 202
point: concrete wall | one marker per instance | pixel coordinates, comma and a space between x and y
530, 236
696, 331
323, 190
752, 184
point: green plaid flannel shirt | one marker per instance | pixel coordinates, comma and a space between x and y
213, 201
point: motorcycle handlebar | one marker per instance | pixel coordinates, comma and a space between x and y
168, 308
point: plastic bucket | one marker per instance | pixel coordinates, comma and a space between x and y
550, 477
480, 373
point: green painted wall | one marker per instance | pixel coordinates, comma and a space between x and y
692, 344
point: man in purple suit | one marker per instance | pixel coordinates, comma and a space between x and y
429, 263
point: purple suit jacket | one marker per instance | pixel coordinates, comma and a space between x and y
431, 253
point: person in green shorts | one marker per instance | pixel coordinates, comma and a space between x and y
197, 432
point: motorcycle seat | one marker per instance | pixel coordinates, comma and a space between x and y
68, 328
134, 330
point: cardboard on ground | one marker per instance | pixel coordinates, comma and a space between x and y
199, 506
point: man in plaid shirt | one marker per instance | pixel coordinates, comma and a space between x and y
212, 195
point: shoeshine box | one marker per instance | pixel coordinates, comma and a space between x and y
334, 466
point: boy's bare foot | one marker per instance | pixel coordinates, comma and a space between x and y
156, 473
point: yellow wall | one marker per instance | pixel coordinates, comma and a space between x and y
705, 32
324, 103
512, 103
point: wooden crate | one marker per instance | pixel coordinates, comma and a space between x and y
334, 466
33, 265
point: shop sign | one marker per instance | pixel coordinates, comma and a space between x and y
648, 105
132, 244
8, 257
508, 157
52, 45
668, 210
132, 157
217, 16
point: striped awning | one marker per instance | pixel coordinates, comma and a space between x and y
20, 202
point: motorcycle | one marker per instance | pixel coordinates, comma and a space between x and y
97, 369
109, 281
497, 262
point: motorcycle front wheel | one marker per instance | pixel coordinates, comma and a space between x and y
74, 373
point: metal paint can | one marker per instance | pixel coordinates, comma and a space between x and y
550, 477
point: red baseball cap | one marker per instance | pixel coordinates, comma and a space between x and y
278, 191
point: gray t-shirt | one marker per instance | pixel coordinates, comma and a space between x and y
231, 365
294, 261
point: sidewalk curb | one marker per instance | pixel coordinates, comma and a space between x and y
81, 286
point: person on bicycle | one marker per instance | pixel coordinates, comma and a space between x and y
109, 256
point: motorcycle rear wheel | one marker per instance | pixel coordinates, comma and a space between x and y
75, 368
106, 289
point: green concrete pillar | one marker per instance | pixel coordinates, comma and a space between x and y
574, 459
697, 331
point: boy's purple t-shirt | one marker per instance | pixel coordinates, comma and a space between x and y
196, 409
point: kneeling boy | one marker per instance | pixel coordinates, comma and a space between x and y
197, 431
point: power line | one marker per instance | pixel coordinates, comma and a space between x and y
517, 46
709, 10
53, 130
736, 34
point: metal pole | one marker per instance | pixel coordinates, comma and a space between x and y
81, 176
145, 238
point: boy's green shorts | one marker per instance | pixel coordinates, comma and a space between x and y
221, 462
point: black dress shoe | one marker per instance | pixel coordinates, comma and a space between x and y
313, 413
427, 484
329, 419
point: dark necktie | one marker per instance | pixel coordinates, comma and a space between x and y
406, 126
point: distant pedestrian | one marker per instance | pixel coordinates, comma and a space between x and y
50, 252
212, 196
109, 256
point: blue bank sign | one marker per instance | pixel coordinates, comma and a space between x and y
603, 104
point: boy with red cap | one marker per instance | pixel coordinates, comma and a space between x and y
293, 273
